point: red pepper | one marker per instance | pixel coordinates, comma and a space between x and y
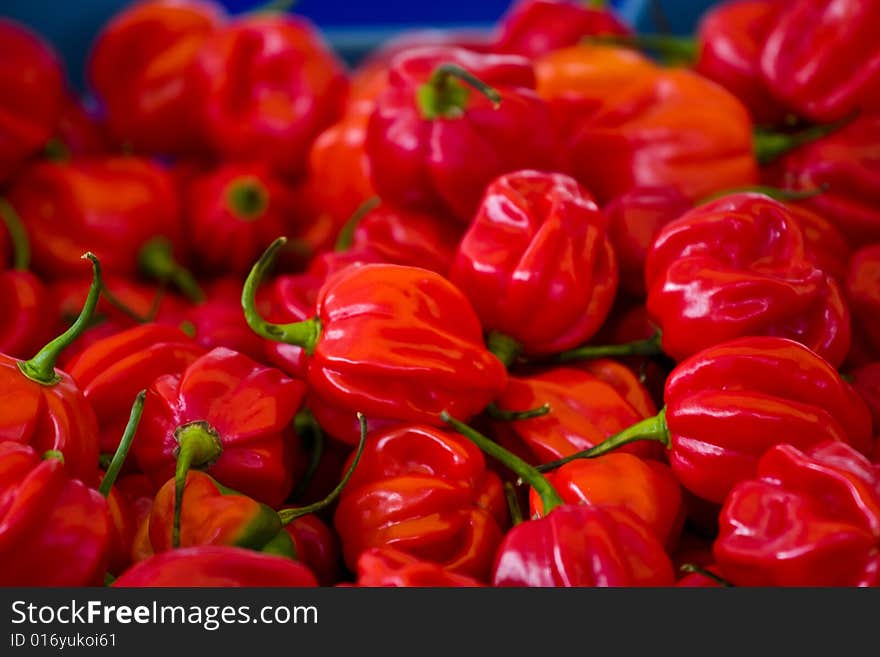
229, 416
266, 85
647, 488
317, 546
139, 68
111, 206
537, 263
33, 93
388, 567
80, 132
809, 517
824, 243
572, 544
728, 404
216, 566
587, 405
53, 528
737, 267
393, 342
702, 578
845, 164
426, 492
43, 407
863, 294
866, 381
112, 370
434, 144
535, 27
821, 58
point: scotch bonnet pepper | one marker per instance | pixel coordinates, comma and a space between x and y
389, 567
537, 263
727, 405
452, 120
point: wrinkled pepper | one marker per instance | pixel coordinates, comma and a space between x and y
389, 567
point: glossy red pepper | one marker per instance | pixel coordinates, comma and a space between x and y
735, 267
111, 371
426, 492
728, 404
33, 87
863, 294
393, 342
821, 58
537, 263
647, 488
229, 416
317, 546
43, 406
434, 143
267, 84
809, 517
388, 567
111, 206
216, 566
139, 68
80, 132
54, 530
535, 27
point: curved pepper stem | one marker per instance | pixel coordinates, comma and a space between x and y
156, 260
308, 429
289, 515
304, 334
115, 466
503, 415
346, 236
770, 146
694, 568
53, 454
41, 368
516, 514
527, 473
653, 428
247, 198
776, 193
445, 95
21, 247
198, 445
646, 347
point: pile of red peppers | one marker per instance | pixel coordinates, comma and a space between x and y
561, 304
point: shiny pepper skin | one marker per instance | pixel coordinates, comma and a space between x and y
439, 154
388, 567
821, 58
317, 546
139, 68
728, 404
266, 85
532, 28
248, 407
537, 263
54, 530
588, 403
33, 87
111, 206
28, 313
863, 293
580, 546
216, 566
810, 517
111, 371
426, 492
735, 267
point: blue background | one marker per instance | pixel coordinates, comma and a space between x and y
352, 26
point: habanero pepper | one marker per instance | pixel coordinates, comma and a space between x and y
863, 294
433, 144
216, 566
80, 132
317, 546
728, 404
393, 342
54, 529
537, 264
572, 545
427, 492
44, 408
389, 567
808, 517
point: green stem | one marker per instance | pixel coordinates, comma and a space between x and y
304, 334
530, 475
346, 236
41, 368
653, 428
646, 347
505, 348
198, 445
247, 198
516, 514
289, 515
308, 429
21, 247
157, 260
445, 95
694, 568
124, 445
53, 454
503, 415
770, 146
776, 193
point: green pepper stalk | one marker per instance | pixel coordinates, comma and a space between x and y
445, 94
119, 457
